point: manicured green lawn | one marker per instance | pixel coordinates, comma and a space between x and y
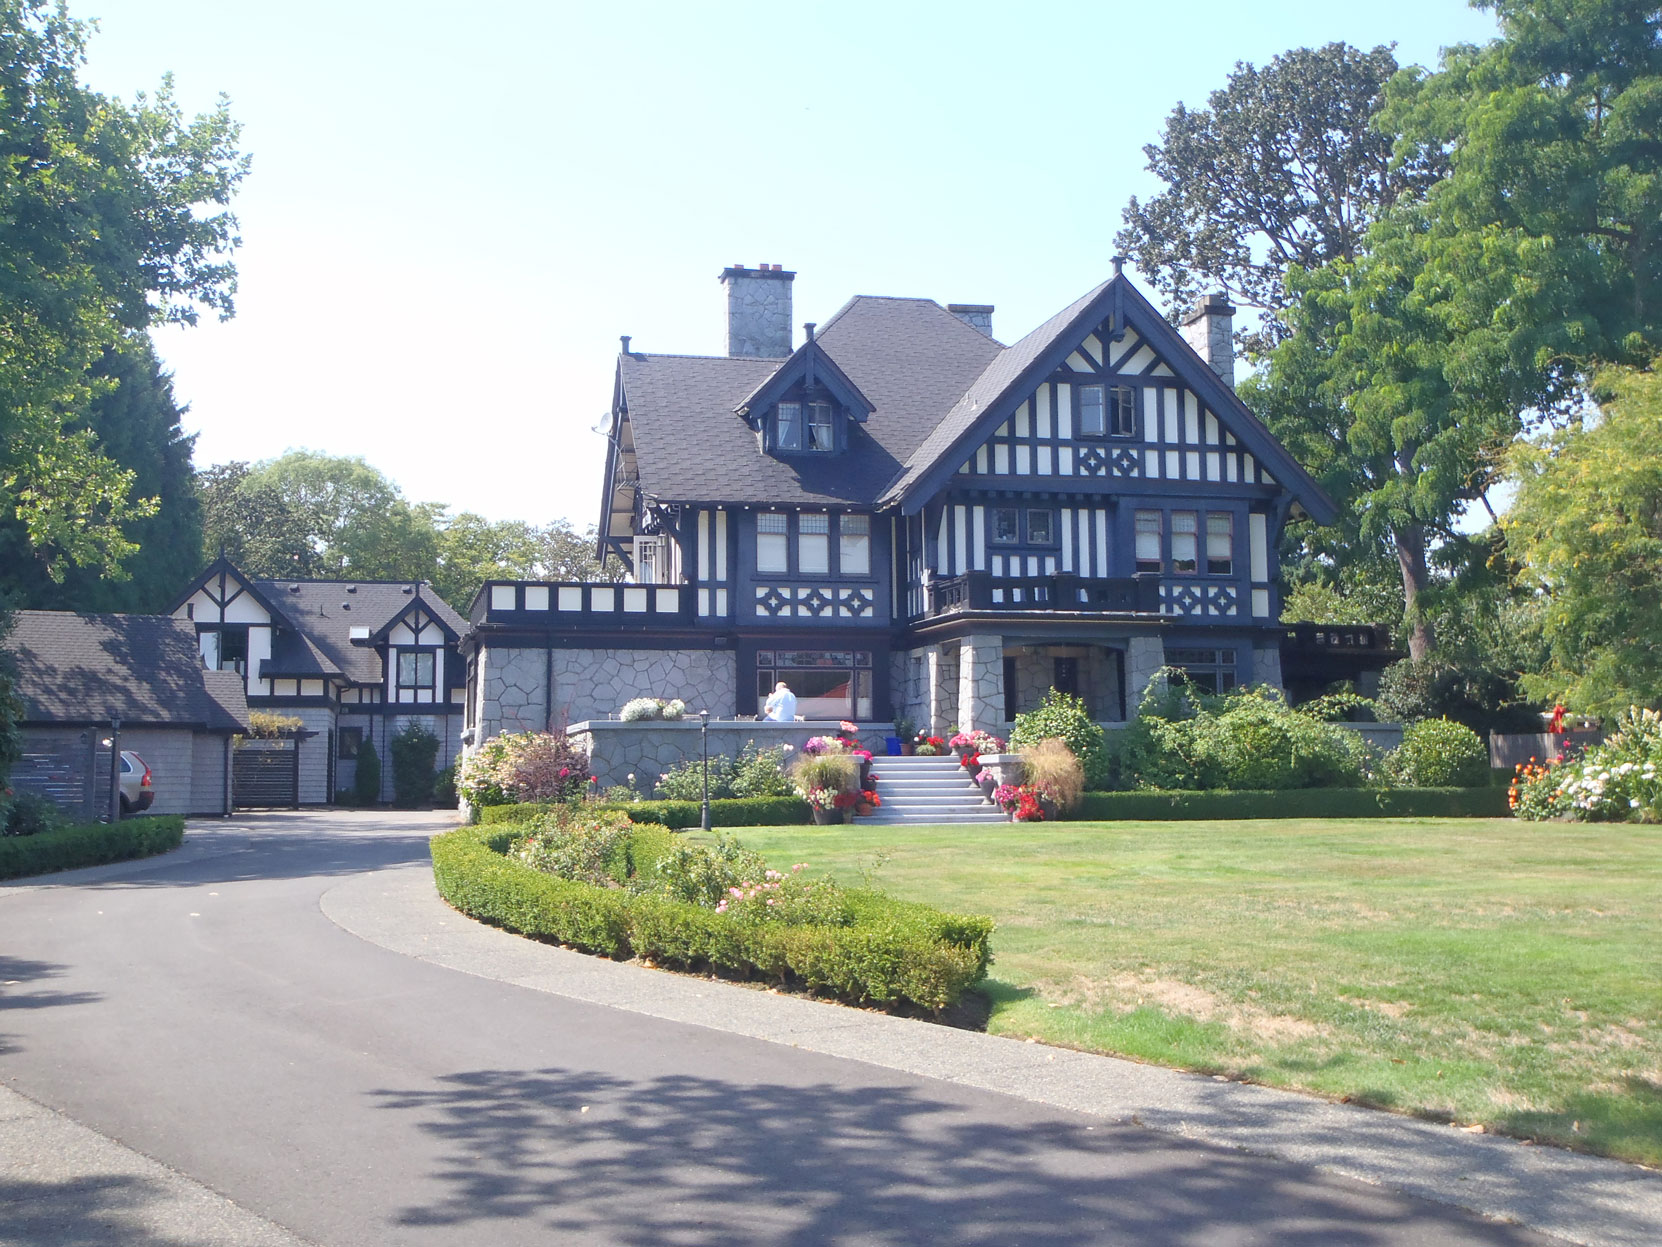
1469, 970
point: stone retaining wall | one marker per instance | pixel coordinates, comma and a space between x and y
647, 748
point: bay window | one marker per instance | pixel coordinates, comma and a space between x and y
854, 545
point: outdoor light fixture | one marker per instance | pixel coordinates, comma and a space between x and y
704, 745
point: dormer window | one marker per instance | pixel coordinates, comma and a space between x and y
804, 426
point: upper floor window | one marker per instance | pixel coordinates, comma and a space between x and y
1006, 525
1220, 543
1107, 411
415, 668
1008, 530
1039, 528
1185, 542
854, 545
1150, 535
804, 426
773, 542
225, 649
813, 535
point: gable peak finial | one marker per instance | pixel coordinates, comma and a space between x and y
624, 338
808, 327
1119, 264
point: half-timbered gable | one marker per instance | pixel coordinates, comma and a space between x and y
351, 659
904, 516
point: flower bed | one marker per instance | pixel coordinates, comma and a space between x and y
888, 952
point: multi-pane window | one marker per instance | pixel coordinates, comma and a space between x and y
788, 426
798, 426
773, 543
1185, 541
1107, 411
1212, 670
834, 684
854, 545
821, 435
1006, 525
1039, 527
1093, 416
350, 740
1149, 534
813, 551
1220, 543
415, 669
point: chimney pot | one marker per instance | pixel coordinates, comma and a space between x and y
624, 338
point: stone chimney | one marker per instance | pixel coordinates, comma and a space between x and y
978, 316
1210, 329
758, 311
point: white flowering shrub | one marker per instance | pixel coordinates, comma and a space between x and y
1617, 781
641, 708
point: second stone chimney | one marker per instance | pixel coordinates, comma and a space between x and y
978, 316
758, 311
1210, 329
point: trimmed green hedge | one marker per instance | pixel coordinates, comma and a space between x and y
729, 812
1295, 803
894, 951
89, 844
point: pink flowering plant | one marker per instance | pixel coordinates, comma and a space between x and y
790, 899
523, 766
737, 882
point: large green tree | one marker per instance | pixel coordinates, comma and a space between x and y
1587, 523
253, 525
112, 218
137, 425
1284, 167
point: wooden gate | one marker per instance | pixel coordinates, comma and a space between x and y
265, 775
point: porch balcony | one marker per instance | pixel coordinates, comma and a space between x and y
605, 607
1061, 591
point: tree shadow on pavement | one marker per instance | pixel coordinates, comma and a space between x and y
680, 1159
18, 977
94, 1211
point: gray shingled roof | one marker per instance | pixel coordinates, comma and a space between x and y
143, 669
911, 357
324, 612
998, 376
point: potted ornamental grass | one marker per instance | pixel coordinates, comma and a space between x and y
829, 783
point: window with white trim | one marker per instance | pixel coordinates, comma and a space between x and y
1220, 543
773, 542
416, 669
787, 429
1150, 533
854, 545
1185, 542
822, 434
813, 544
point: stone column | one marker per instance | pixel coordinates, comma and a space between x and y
1266, 664
1144, 655
981, 683
932, 664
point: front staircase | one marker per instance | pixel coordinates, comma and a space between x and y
928, 790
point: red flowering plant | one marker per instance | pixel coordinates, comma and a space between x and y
928, 746
1021, 803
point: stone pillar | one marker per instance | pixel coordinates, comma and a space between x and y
932, 662
981, 683
1266, 664
1144, 655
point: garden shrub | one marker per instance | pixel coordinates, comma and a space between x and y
826, 780
28, 814
89, 844
414, 750
444, 788
754, 773
523, 766
1619, 780
266, 725
1439, 753
1064, 716
749, 812
1054, 774
889, 951
576, 844
366, 778
1227, 806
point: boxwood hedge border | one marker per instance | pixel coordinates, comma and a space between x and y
677, 815
1294, 803
89, 844
896, 952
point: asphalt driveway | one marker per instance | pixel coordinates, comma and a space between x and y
277, 1034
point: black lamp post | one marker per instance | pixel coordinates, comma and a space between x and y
704, 745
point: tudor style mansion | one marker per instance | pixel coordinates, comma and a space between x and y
900, 516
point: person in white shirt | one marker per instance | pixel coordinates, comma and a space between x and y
781, 704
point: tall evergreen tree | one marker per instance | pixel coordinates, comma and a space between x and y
134, 422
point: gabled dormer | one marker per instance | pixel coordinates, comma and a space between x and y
808, 407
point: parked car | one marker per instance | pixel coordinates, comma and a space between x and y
137, 784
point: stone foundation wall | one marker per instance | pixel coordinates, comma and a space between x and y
647, 749
593, 684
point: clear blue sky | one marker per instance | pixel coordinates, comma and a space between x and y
455, 211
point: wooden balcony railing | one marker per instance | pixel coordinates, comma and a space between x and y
1063, 591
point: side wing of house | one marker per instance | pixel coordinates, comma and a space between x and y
423, 667
236, 624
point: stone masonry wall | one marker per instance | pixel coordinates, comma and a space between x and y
647, 749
